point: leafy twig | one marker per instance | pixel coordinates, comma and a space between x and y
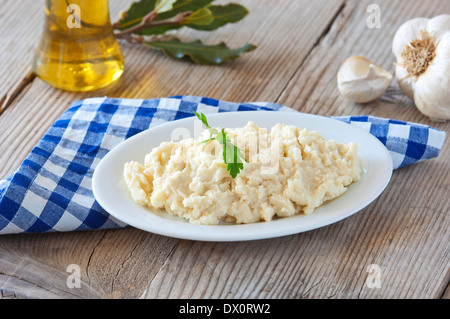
150, 18
149, 22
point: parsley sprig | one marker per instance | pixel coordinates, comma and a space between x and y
232, 155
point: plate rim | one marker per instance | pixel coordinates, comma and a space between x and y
203, 232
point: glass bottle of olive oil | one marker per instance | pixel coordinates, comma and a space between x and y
78, 50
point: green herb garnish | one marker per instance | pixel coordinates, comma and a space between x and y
232, 155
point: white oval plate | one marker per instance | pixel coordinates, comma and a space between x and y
112, 193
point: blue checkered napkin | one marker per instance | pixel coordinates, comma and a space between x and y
51, 191
408, 143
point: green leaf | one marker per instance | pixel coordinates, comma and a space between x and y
232, 153
164, 5
230, 13
207, 140
183, 6
141, 8
159, 29
221, 137
199, 52
228, 153
234, 169
135, 13
240, 155
233, 157
202, 117
200, 17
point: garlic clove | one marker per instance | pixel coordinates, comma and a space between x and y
361, 81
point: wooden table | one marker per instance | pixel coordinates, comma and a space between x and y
404, 233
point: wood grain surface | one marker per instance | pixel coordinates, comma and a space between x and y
301, 44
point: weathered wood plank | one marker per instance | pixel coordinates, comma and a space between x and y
301, 44
21, 26
112, 264
332, 262
405, 232
31, 273
149, 74
428, 199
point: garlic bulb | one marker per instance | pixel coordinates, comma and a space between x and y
361, 81
422, 49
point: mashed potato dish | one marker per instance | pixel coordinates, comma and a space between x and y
288, 171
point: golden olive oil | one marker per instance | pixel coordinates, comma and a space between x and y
78, 50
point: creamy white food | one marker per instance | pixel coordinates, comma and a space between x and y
289, 171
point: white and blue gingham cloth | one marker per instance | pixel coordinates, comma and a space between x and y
51, 191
